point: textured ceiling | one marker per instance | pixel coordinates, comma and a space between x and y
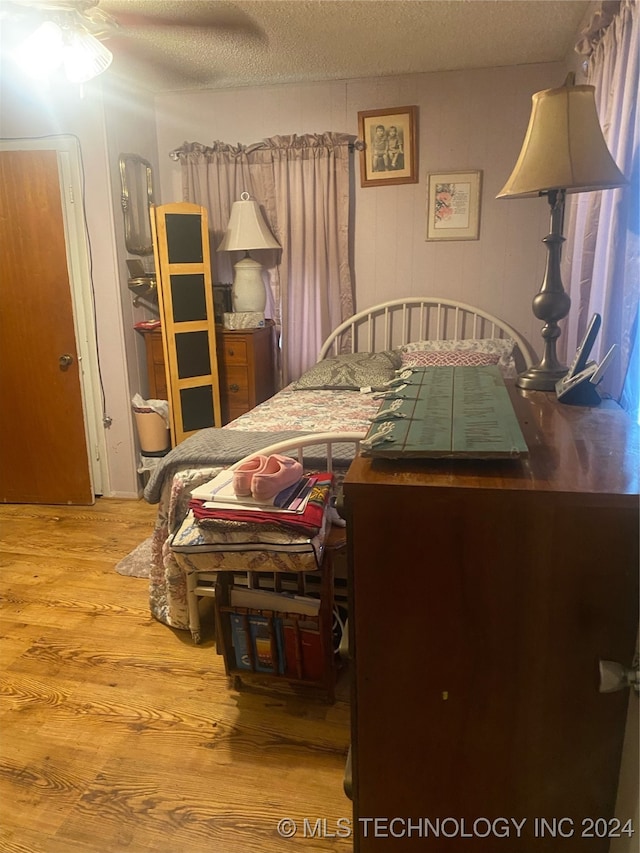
186, 44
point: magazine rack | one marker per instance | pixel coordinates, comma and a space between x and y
270, 646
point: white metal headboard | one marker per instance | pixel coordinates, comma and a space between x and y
392, 324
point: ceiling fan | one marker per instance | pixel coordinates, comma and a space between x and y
82, 36
44, 36
84, 13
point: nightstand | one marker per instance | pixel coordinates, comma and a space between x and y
246, 369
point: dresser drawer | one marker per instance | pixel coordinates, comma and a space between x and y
235, 351
235, 386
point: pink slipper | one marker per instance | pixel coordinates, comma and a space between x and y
243, 474
279, 473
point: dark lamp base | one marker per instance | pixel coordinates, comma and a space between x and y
539, 378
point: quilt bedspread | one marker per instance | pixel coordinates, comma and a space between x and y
311, 411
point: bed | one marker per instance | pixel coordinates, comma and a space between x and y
338, 395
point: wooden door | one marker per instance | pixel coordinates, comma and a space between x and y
43, 444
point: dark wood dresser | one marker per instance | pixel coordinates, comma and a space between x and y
482, 597
245, 368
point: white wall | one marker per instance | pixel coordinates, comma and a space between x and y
468, 120
130, 129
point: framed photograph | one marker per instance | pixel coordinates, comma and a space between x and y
390, 153
453, 205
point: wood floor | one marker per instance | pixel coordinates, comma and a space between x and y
118, 734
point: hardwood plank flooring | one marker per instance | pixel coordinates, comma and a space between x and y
121, 736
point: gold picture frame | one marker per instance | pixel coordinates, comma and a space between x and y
453, 205
390, 152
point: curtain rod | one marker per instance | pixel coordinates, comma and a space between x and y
353, 144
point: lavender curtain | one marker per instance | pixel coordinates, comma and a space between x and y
601, 264
302, 186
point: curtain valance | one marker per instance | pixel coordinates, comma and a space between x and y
316, 144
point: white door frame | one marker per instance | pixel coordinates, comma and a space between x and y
81, 281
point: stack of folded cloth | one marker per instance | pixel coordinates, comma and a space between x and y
271, 491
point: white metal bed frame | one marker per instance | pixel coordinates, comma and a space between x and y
380, 327
399, 321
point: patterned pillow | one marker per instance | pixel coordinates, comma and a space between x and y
502, 347
453, 358
351, 372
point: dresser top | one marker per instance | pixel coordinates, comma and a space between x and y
571, 449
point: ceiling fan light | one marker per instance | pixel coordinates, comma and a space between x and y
40, 54
84, 57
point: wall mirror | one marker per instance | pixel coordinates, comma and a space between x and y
136, 178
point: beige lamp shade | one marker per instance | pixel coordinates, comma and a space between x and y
564, 147
247, 228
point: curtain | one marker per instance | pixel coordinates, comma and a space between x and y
601, 265
302, 186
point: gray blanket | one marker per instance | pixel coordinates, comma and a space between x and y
213, 446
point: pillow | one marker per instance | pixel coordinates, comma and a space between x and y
453, 358
350, 371
502, 347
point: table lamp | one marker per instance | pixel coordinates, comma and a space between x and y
563, 151
247, 230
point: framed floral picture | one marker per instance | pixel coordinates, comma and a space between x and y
453, 205
390, 154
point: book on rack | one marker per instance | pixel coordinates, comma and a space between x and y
303, 649
254, 630
282, 654
240, 640
264, 643
312, 651
292, 650
219, 491
280, 602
